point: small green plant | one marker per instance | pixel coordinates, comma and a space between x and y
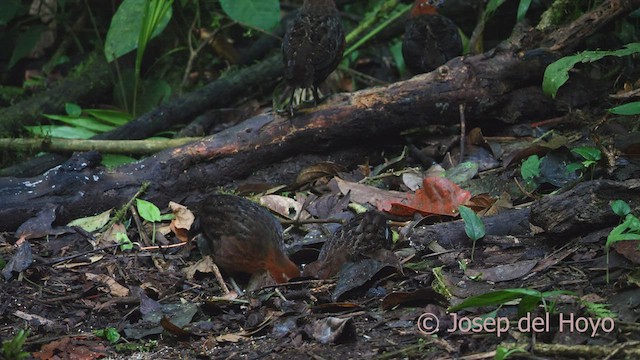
530, 170
503, 352
591, 157
129, 31
79, 123
12, 349
599, 310
151, 213
110, 334
473, 226
628, 229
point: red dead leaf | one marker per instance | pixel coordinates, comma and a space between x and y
438, 196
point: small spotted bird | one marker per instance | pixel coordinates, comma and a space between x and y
362, 236
430, 39
313, 46
242, 236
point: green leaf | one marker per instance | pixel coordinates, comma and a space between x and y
92, 223
148, 210
557, 73
492, 6
73, 110
473, 225
495, 298
503, 353
628, 230
115, 160
167, 217
124, 241
523, 7
111, 334
13, 348
632, 108
620, 207
25, 42
126, 26
574, 167
8, 10
114, 117
588, 153
64, 132
261, 14
531, 167
396, 53
87, 123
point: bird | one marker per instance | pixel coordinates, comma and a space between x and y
242, 236
430, 39
362, 236
312, 47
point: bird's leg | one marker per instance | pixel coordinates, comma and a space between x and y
316, 98
236, 287
293, 93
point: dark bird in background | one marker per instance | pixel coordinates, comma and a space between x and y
430, 39
242, 236
362, 236
313, 46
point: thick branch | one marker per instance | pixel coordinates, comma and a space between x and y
482, 83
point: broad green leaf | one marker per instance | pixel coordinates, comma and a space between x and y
126, 26
396, 53
124, 241
473, 225
72, 109
8, 10
557, 73
492, 6
261, 14
632, 108
114, 117
628, 230
87, 123
92, 223
531, 167
148, 210
114, 160
495, 298
504, 296
573, 167
588, 153
620, 207
523, 7
64, 132
25, 42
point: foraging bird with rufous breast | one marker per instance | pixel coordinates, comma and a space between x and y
312, 47
242, 236
430, 39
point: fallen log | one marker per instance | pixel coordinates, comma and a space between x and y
482, 83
